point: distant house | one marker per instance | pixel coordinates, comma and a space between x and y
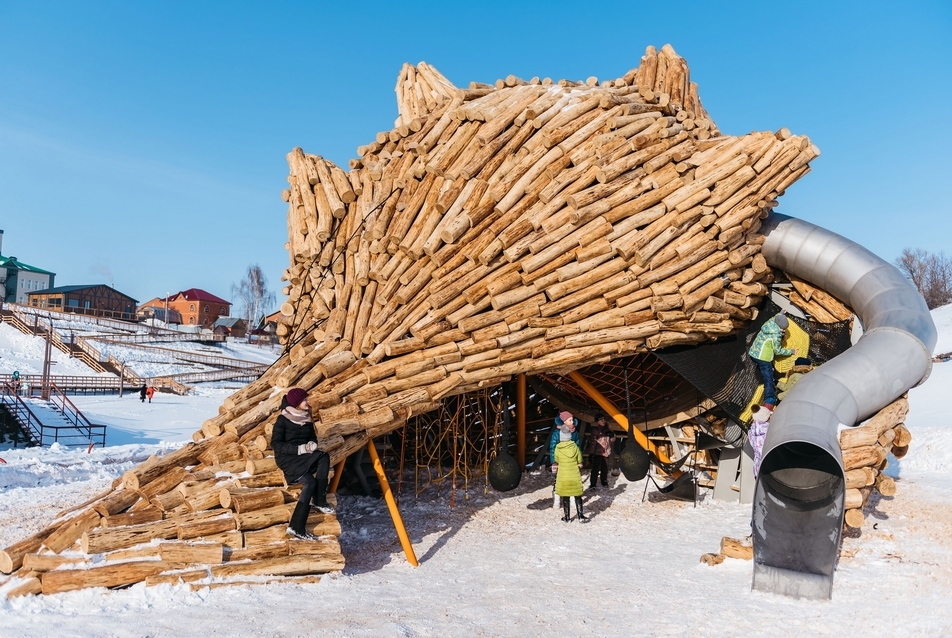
196, 307
230, 327
270, 323
156, 309
96, 300
18, 279
267, 333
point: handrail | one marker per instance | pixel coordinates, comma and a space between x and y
127, 372
171, 384
195, 357
22, 413
66, 381
69, 410
39, 432
211, 375
94, 312
164, 338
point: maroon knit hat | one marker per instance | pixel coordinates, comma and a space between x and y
295, 396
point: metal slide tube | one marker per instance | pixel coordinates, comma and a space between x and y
798, 501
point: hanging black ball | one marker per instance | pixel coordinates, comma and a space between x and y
633, 462
504, 473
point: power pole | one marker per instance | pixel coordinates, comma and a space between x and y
45, 391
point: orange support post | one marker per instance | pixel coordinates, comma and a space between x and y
616, 414
521, 420
338, 471
392, 505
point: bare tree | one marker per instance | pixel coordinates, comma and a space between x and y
930, 273
254, 295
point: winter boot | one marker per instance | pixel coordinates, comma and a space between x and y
298, 522
578, 508
555, 499
565, 509
319, 500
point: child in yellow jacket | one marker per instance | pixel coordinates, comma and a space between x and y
568, 478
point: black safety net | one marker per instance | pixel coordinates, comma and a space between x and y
723, 371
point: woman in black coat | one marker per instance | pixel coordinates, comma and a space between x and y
295, 451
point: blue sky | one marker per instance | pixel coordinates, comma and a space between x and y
143, 143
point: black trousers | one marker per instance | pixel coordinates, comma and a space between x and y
599, 466
313, 485
317, 471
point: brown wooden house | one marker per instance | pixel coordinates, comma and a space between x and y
230, 327
96, 300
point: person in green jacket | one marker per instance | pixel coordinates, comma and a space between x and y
762, 352
568, 478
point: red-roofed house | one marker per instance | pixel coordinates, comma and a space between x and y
198, 307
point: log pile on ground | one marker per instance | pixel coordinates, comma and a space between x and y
865, 451
209, 513
528, 226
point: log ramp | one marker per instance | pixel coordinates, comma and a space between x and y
523, 227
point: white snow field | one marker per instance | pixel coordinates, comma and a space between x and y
504, 564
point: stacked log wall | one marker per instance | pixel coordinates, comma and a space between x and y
865, 457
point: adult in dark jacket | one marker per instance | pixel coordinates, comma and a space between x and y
295, 451
599, 449
142, 392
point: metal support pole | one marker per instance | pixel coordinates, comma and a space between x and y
520, 420
338, 472
616, 414
392, 505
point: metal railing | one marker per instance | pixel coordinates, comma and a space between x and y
166, 337
212, 375
30, 424
196, 357
66, 382
71, 317
80, 431
95, 433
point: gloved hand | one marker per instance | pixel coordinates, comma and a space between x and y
307, 448
555, 468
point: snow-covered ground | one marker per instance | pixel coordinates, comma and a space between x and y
25, 353
504, 564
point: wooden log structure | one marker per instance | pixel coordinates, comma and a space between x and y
865, 451
525, 227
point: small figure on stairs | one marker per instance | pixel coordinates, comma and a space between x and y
568, 478
295, 451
